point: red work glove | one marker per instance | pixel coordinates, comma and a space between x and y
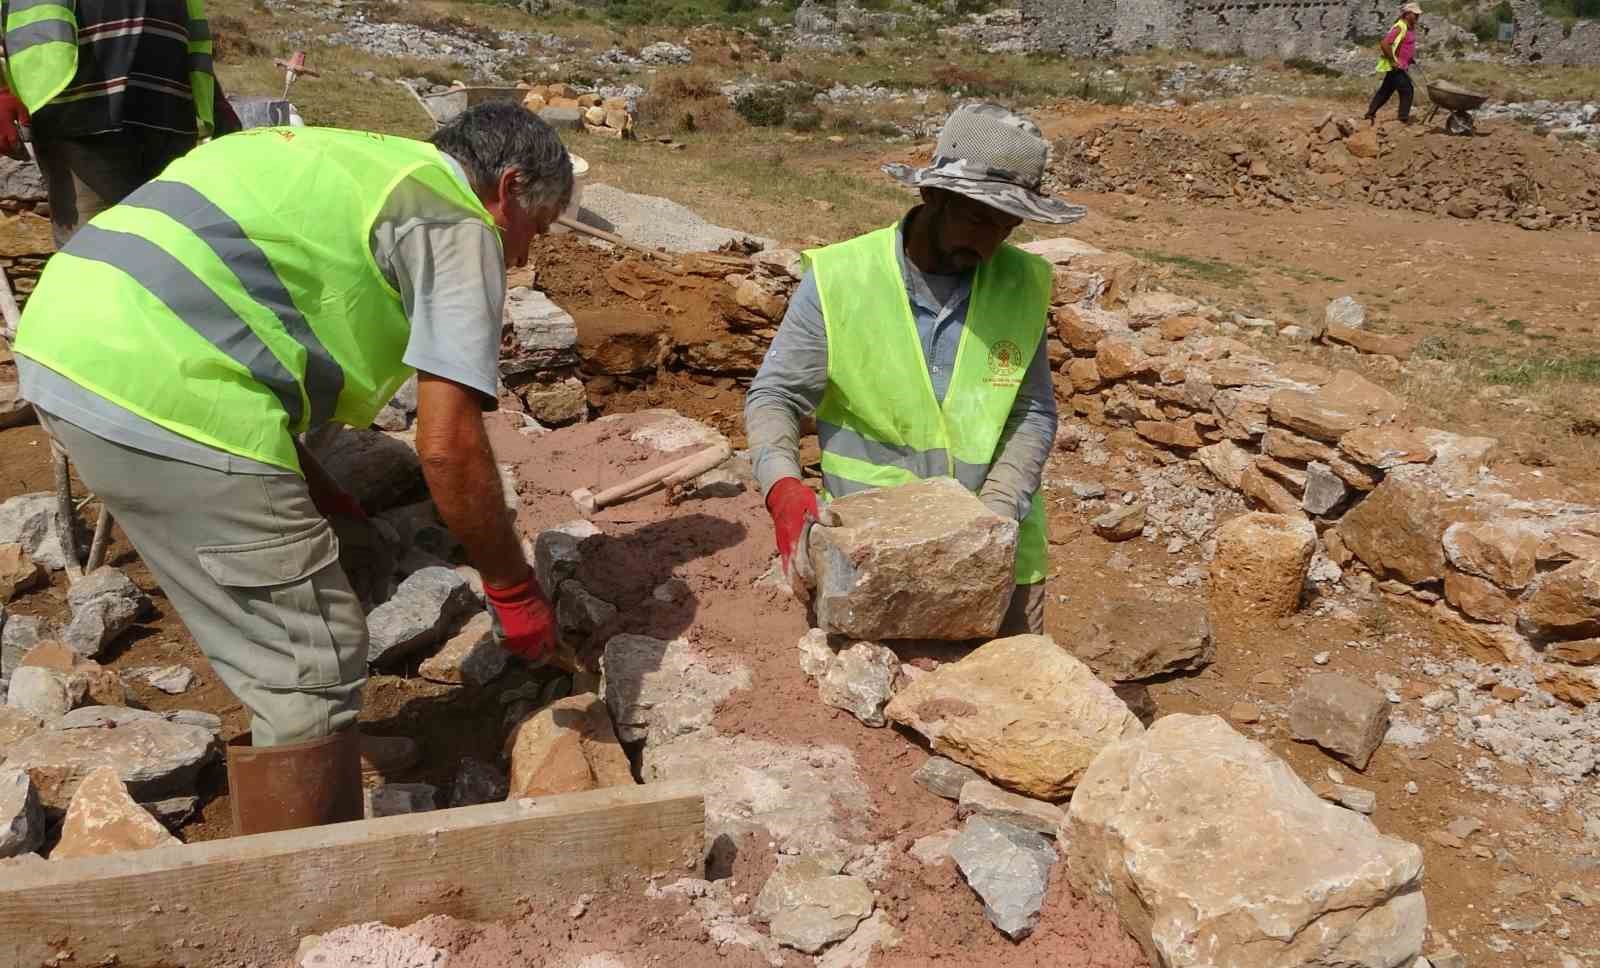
789, 502
12, 114
526, 620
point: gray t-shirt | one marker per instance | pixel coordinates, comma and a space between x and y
450, 271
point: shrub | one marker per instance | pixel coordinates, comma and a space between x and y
1306, 65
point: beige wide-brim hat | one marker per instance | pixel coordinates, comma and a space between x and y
1412, 8
996, 157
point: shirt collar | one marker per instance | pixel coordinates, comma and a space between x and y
916, 281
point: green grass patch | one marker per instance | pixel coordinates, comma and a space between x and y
1515, 325
1551, 369
1205, 270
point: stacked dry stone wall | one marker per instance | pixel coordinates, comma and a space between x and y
1501, 569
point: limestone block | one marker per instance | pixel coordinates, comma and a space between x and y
382, 470
156, 758
944, 777
19, 573
1134, 638
1258, 573
1009, 869
556, 403
22, 822
568, 746
1022, 711
860, 680
1501, 550
1478, 598
29, 520
810, 905
472, 657
538, 335
1386, 447
924, 560
418, 614
1397, 530
1226, 461
1344, 717
1192, 795
657, 689
103, 819
982, 798
1564, 604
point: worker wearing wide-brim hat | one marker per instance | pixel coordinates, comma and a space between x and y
920, 348
1396, 53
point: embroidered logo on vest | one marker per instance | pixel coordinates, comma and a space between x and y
1005, 364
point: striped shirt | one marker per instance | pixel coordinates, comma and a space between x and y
133, 70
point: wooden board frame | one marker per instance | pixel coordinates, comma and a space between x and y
249, 900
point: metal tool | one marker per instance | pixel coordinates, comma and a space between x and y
802, 576
292, 69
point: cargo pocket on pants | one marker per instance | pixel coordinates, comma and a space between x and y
277, 581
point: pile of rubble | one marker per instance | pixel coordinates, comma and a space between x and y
1563, 119
564, 106
1205, 154
1498, 575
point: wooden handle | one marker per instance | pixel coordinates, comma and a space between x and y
632, 486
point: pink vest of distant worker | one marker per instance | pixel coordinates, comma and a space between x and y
1404, 40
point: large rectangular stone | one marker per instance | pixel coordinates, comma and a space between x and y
538, 335
921, 561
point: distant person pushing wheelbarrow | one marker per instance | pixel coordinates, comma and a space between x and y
1397, 52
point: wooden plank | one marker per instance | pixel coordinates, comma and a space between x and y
250, 899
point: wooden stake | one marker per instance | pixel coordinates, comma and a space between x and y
251, 899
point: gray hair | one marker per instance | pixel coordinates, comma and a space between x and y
490, 139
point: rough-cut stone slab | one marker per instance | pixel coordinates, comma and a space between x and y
1478, 598
1386, 447
1348, 401
1241, 413
174, 680
22, 823
982, 798
104, 605
472, 657
924, 560
656, 689
557, 402
1226, 461
1351, 798
568, 746
538, 335
1009, 869
1134, 638
1268, 493
1084, 374
1258, 573
46, 694
1503, 551
154, 757
19, 573
418, 615
1564, 604
934, 848
944, 777
1186, 829
1324, 491
173, 812
29, 520
478, 782
860, 680
801, 798
1119, 359
1581, 653
1397, 530
810, 905
1123, 522
581, 615
1022, 711
103, 819
1490, 644
1580, 687
1344, 717
1170, 433
18, 635
14, 725
557, 552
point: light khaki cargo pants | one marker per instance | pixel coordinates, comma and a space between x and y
253, 570
1025, 614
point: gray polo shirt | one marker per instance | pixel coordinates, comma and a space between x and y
449, 269
794, 375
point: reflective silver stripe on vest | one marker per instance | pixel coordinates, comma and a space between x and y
52, 31
199, 31
23, 6
185, 205
192, 301
837, 486
202, 63
923, 463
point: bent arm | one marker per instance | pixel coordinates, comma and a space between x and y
462, 477
1025, 444
789, 385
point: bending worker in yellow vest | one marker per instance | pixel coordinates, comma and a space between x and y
920, 348
264, 285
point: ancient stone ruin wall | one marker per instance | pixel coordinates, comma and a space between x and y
1259, 28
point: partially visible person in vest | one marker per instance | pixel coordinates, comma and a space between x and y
1396, 53
920, 348
262, 286
116, 91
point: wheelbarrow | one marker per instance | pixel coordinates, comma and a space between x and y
1456, 99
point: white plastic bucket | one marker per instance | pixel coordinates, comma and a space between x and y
579, 169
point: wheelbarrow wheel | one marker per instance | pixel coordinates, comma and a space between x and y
1459, 122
